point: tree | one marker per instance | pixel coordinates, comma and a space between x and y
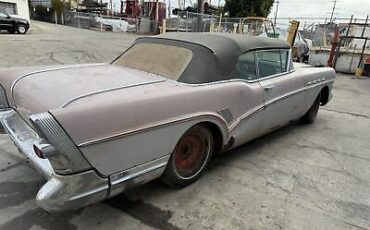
59, 7
244, 8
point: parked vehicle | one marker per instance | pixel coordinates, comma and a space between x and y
13, 24
160, 110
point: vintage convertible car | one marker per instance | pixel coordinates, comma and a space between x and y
158, 111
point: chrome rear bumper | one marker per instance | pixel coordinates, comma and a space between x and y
60, 192
24, 136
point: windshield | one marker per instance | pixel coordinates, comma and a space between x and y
3, 15
164, 60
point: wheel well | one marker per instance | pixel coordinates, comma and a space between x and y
217, 135
20, 23
324, 95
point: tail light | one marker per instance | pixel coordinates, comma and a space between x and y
43, 149
38, 152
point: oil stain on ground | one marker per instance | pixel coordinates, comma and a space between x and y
146, 213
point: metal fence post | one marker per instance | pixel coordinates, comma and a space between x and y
101, 23
235, 27
187, 21
62, 17
219, 25
212, 27
78, 20
56, 17
164, 26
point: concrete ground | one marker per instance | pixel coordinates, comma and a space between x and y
299, 177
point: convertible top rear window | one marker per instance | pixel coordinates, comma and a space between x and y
164, 60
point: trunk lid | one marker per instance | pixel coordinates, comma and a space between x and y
58, 87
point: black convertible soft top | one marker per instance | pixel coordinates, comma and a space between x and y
214, 54
219, 42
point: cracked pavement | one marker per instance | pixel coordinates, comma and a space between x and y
299, 177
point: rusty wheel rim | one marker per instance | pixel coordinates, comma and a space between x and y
190, 155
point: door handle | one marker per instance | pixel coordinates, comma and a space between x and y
268, 88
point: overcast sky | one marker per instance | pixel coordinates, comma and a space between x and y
308, 8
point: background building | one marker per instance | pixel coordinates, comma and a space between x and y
15, 7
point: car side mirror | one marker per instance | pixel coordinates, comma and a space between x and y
8, 17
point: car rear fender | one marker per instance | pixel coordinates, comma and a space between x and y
63, 154
116, 153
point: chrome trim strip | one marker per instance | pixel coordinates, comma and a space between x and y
257, 71
108, 90
289, 61
89, 193
261, 108
314, 82
271, 76
226, 114
245, 117
139, 170
229, 129
153, 126
48, 70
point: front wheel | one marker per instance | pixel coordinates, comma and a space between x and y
311, 114
21, 29
189, 158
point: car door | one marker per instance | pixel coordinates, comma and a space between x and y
5, 22
282, 90
250, 116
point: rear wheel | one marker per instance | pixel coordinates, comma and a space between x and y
311, 114
190, 157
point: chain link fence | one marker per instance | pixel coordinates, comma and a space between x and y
183, 22
98, 22
194, 22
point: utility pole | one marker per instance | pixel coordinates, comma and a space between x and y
169, 9
200, 7
332, 12
111, 7
276, 12
200, 11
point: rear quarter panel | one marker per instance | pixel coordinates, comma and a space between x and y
128, 131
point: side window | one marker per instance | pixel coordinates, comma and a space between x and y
269, 63
246, 67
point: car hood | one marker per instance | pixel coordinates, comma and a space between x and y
19, 19
44, 89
